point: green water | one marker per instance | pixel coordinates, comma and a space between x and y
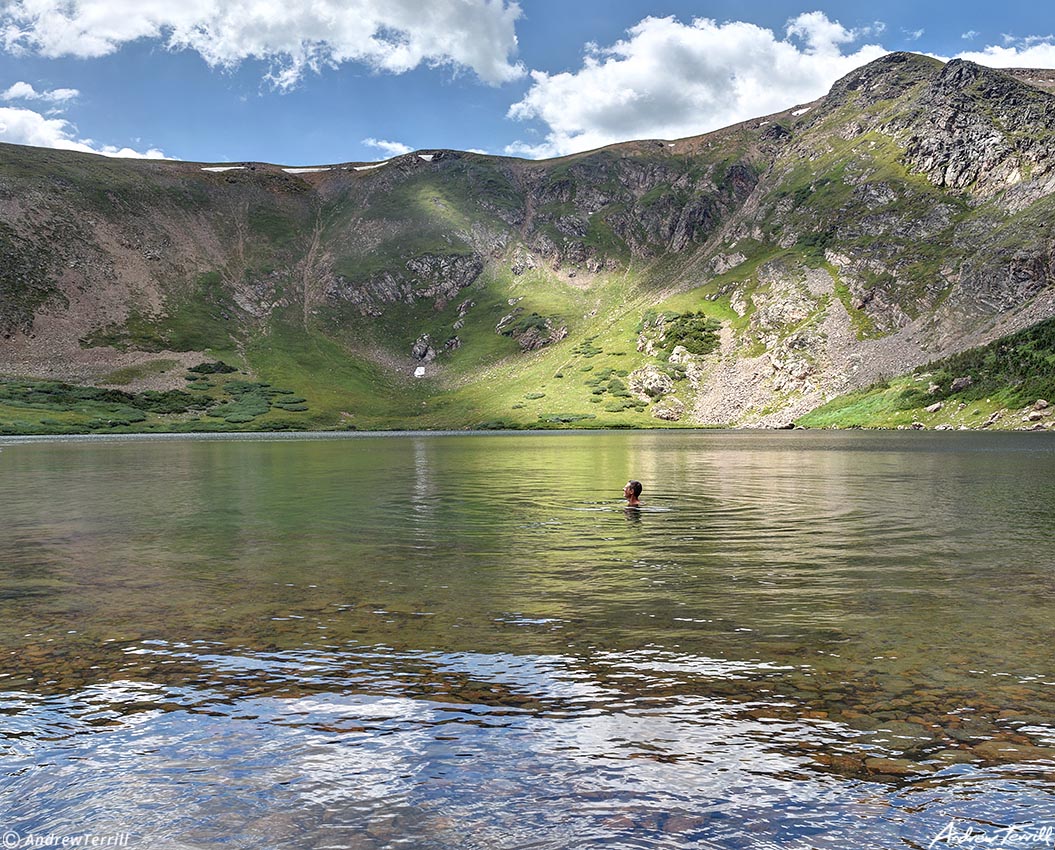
800, 640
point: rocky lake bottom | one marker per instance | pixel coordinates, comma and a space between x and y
801, 640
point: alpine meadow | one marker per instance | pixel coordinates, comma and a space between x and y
881, 257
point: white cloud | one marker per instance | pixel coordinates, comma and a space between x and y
669, 80
25, 91
26, 127
913, 35
390, 148
388, 35
970, 35
1032, 52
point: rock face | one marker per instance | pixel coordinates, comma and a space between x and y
903, 217
428, 277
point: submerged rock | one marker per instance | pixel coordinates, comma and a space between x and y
1007, 751
895, 767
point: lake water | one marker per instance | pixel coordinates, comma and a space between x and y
801, 640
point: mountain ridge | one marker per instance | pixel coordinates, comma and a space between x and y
901, 218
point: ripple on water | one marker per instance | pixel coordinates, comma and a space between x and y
798, 642
380, 745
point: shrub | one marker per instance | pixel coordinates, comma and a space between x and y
565, 418
695, 331
216, 367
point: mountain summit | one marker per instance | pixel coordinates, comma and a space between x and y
746, 276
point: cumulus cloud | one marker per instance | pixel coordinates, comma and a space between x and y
1031, 52
387, 35
668, 79
25, 91
26, 127
389, 148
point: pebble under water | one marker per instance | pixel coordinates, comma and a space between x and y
801, 640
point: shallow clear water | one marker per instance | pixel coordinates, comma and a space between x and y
802, 640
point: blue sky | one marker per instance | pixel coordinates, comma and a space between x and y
357, 80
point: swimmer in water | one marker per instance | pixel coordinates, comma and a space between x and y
630, 492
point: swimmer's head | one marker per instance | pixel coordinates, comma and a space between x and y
632, 488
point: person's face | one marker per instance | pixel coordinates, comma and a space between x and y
628, 492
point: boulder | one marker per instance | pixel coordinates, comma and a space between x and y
962, 383
934, 408
670, 409
1040, 404
679, 355
422, 349
648, 383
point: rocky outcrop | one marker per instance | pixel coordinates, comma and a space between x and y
649, 383
905, 216
439, 278
431, 277
531, 332
669, 409
422, 349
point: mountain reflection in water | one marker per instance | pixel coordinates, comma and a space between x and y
800, 640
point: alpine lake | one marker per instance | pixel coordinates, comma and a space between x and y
806, 639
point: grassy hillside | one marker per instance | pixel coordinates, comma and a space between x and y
1005, 384
737, 278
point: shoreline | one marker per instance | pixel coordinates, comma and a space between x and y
292, 436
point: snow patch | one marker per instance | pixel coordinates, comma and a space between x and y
218, 168
304, 170
367, 167
802, 111
419, 372
426, 156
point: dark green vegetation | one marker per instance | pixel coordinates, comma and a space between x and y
968, 388
777, 262
54, 407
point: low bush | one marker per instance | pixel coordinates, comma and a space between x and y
216, 367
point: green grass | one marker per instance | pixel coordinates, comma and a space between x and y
130, 374
1012, 372
196, 320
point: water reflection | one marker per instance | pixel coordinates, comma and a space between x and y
799, 641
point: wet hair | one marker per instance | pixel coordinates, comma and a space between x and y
635, 486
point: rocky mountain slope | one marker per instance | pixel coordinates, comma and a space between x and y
743, 277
